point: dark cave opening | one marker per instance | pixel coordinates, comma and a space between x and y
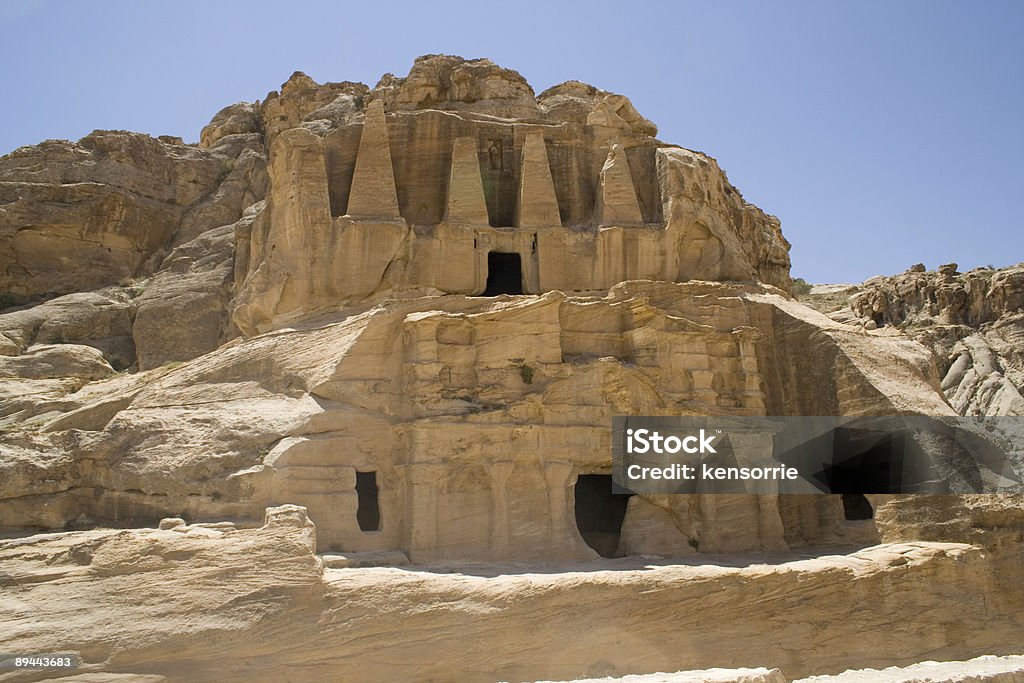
600, 512
368, 512
857, 506
504, 274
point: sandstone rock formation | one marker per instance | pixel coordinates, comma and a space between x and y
429, 399
987, 668
230, 604
405, 316
76, 217
974, 323
580, 202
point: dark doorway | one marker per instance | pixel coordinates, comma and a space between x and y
368, 512
504, 274
599, 513
857, 506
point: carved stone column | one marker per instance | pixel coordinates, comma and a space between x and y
556, 478
769, 523
500, 537
424, 480
709, 518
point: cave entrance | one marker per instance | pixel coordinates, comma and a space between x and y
368, 512
504, 274
599, 513
857, 506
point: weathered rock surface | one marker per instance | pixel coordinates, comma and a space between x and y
101, 319
241, 118
304, 102
450, 83
426, 392
199, 604
987, 669
572, 183
182, 311
758, 675
54, 361
296, 302
80, 216
974, 322
618, 205
945, 296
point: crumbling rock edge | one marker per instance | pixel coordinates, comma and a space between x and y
213, 602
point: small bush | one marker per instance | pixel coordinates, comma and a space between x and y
525, 371
801, 287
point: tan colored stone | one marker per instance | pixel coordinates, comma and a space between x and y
683, 221
236, 119
357, 344
51, 361
536, 203
302, 101
616, 202
466, 202
373, 193
411, 382
81, 216
448, 82
985, 669
972, 321
217, 604
717, 675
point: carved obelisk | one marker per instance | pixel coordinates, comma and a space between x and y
373, 193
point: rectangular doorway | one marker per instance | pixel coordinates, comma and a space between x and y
504, 274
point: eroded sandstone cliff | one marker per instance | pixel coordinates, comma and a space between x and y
412, 310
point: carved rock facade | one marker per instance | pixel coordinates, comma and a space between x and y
423, 190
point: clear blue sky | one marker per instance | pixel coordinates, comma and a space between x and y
881, 133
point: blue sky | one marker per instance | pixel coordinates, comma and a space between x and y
881, 133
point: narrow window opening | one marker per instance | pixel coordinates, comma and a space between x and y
368, 512
599, 513
504, 274
857, 506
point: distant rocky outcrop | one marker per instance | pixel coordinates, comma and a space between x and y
973, 321
80, 216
